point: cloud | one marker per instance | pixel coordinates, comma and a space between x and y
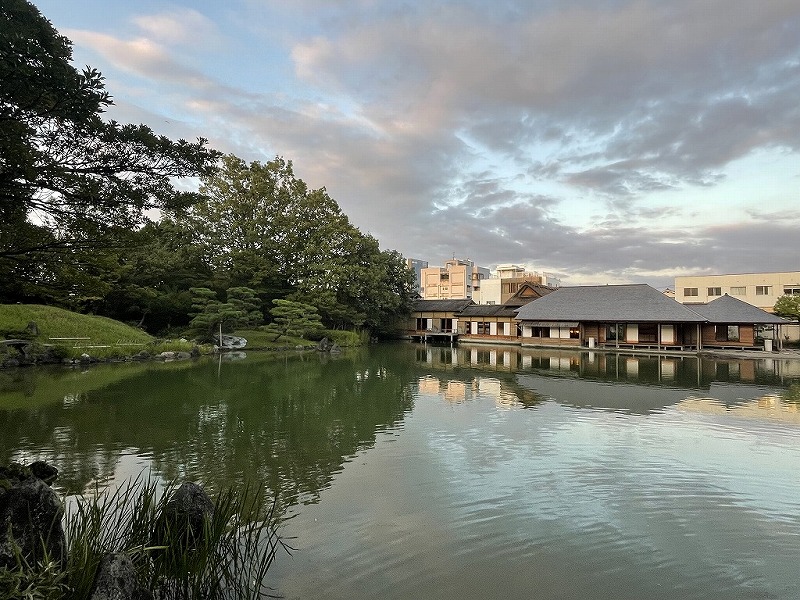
143, 57
545, 133
178, 27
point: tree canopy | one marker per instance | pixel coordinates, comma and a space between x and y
788, 306
74, 188
70, 181
263, 227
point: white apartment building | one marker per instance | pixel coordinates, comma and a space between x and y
759, 289
507, 279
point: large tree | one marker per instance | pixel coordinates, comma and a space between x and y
262, 227
148, 282
69, 179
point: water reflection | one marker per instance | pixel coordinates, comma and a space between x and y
460, 472
291, 421
294, 420
606, 380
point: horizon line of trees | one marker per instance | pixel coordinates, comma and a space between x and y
75, 188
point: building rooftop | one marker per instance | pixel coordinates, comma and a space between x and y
635, 303
727, 309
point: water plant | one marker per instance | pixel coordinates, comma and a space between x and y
227, 557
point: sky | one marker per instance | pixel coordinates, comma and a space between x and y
606, 141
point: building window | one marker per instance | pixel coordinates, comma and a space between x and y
791, 290
615, 332
739, 291
763, 290
483, 328
574, 333
727, 333
648, 333
422, 324
541, 332
690, 291
715, 291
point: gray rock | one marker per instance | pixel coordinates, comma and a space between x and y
116, 580
30, 518
32, 329
45, 472
184, 517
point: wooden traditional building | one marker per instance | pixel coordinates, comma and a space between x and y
610, 316
432, 319
497, 323
733, 323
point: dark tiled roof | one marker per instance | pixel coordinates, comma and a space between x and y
488, 310
519, 300
453, 306
637, 303
727, 309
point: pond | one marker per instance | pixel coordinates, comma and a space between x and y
418, 471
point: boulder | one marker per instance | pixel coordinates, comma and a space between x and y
116, 580
184, 516
32, 329
30, 516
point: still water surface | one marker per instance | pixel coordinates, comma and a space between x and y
476, 472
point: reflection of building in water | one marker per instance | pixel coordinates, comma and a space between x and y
429, 385
494, 388
770, 407
673, 370
457, 391
452, 390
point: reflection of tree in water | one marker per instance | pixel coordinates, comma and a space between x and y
792, 394
291, 421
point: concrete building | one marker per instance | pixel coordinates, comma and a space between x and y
417, 265
759, 289
457, 279
507, 280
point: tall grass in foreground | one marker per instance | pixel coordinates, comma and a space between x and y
228, 559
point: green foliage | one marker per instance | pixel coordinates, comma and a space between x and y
87, 180
229, 560
788, 306
150, 278
264, 228
245, 301
44, 580
241, 310
346, 338
293, 319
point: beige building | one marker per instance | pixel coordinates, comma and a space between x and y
504, 283
759, 289
457, 279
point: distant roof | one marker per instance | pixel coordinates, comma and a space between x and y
489, 310
528, 292
636, 303
727, 309
441, 305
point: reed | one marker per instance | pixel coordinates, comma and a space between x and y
229, 559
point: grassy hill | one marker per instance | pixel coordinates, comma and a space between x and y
59, 323
108, 338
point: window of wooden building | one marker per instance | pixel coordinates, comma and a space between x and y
727, 333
